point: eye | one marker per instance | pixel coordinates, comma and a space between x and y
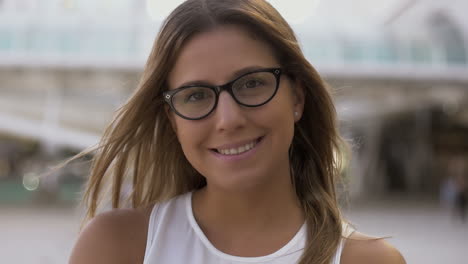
197, 96
252, 83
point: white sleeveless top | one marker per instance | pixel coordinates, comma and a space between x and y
175, 237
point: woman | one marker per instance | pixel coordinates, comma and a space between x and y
230, 144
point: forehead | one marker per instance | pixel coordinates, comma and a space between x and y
214, 56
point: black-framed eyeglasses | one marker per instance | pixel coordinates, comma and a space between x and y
252, 89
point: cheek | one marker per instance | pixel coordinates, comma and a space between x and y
281, 111
190, 135
192, 139
281, 117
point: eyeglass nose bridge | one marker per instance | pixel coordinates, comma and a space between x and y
225, 87
228, 88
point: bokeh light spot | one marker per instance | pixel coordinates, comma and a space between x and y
31, 181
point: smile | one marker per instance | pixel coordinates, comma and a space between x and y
239, 150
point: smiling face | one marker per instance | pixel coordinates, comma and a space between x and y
235, 147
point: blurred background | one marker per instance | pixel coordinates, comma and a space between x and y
398, 68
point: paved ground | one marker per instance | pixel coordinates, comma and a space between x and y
422, 231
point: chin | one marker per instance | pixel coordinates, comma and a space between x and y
239, 182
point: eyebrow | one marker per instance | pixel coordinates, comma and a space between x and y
234, 75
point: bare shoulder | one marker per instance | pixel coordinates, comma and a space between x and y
117, 236
363, 249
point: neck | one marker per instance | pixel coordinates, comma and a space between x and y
265, 209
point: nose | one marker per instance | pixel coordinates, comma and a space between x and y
229, 114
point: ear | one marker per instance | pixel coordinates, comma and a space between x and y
299, 100
170, 116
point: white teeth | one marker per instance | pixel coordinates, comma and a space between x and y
239, 150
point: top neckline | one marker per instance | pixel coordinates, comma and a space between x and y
280, 252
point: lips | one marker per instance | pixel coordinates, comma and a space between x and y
237, 149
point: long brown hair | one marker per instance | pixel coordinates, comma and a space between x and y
140, 148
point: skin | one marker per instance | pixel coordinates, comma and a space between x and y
260, 212
243, 200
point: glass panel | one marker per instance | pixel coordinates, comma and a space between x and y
420, 52
5, 40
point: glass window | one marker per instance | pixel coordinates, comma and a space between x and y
420, 52
5, 39
449, 37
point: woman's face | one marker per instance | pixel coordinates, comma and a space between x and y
260, 136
